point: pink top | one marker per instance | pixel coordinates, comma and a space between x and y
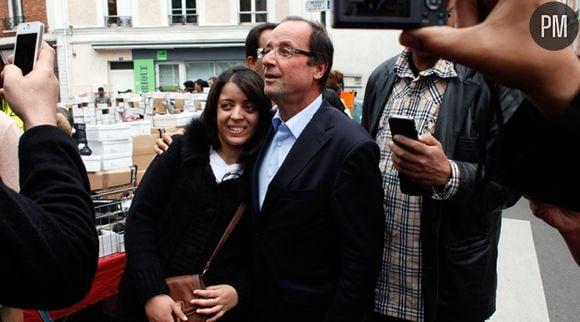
10, 135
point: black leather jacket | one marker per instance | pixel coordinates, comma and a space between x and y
459, 236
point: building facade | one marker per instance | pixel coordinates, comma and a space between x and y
156, 45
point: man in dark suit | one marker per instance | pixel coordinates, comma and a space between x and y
316, 196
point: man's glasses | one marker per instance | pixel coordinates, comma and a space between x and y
284, 52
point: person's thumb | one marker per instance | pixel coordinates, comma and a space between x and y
178, 312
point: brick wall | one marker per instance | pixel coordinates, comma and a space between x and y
32, 10
35, 10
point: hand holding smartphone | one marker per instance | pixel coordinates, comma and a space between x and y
405, 125
28, 42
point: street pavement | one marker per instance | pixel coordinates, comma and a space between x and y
538, 278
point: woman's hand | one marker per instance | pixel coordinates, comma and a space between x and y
216, 300
162, 308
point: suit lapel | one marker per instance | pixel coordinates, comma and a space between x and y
313, 138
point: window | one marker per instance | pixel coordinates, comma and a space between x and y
205, 70
112, 7
253, 11
172, 75
15, 15
168, 77
119, 13
183, 12
117, 65
195, 71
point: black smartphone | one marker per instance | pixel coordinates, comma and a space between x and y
405, 125
28, 43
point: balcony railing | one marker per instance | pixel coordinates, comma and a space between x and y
118, 21
183, 19
10, 23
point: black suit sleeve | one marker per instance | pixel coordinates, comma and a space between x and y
357, 201
47, 232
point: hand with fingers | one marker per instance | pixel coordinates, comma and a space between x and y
567, 222
502, 48
423, 161
162, 308
216, 300
33, 97
163, 143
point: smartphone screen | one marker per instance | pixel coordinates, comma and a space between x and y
28, 43
24, 52
403, 125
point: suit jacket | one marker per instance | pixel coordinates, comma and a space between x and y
318, 237
459, 236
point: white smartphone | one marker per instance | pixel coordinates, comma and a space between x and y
28, 43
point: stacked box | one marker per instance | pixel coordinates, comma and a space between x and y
111, 144
143, 152
140, 127
174, 120
103, 180
159, 106
110, 243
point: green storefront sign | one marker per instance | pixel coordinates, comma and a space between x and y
144, 75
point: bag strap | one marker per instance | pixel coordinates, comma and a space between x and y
226, 234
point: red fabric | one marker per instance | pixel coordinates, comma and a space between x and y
105, 284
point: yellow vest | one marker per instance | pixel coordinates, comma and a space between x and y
6, 108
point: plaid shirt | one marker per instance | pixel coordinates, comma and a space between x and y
399, 293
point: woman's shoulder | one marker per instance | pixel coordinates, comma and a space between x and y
194, 142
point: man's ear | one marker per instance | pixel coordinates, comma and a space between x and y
251, 62
319, 70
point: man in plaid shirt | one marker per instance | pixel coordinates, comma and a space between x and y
440, 248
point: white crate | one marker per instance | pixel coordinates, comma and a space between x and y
92, 162
140, 127
108, 132
99, 162
111, 147
110, 243
174, 120
119, 160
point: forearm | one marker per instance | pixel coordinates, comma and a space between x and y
48, 233
491, 196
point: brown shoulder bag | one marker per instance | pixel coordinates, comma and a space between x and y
181, 287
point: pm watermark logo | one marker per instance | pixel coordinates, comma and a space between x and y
554, 25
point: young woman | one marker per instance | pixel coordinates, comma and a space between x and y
186, 200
